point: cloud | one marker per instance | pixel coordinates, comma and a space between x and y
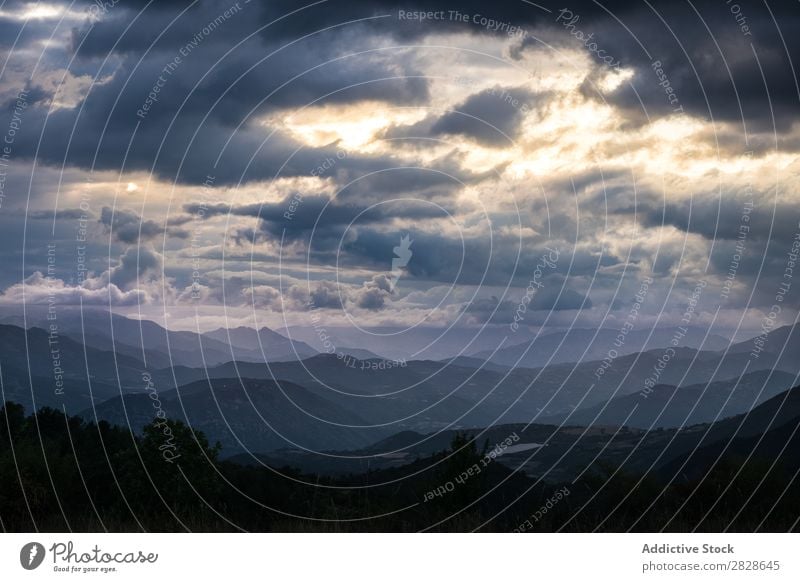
198, 97
752, 216
242, 121
298, 216
128, 227
490, 310
136, 265
715, 69
37, 289
323, 295
547, 299
556, 299
491, 117
136, 278
64, 214
374, 293
262, 296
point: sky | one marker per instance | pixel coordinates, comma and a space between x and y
402, 164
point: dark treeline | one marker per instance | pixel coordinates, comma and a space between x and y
59, 473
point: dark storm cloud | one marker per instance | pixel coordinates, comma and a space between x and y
515, 13
174, 155
552, 297
728, 219
758, 262
371, 192
436, 257
323, 227
65, 214
128, 227
436, 182
100, 128
134, 265
253, 69
21, 34
283, 21
491, 117
325, 295
122, 122
14, 35
145, 21
299, 215
491, 310
557, 299
475, 259
702, 63
264, 77
108, 131
596, 180
752, 244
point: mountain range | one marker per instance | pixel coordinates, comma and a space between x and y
258, 391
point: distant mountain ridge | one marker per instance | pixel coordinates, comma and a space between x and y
159, 347
246, 342
584, 345
247, 415
54, 370
477, 396
670, 406
463, 393
559, 454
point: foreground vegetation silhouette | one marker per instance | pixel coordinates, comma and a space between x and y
60, 473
